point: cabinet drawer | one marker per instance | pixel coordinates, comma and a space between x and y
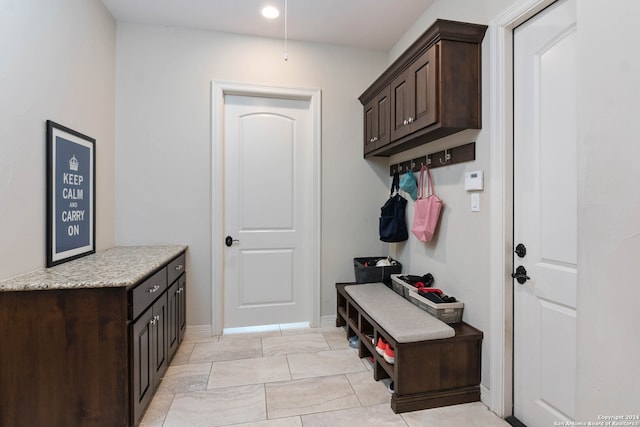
146, 292
175, 269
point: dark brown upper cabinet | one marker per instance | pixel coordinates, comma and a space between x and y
376, 121
432, 90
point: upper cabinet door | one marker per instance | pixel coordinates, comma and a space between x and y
370, 125
401, 101
383, 103
424, 73
414, 95
376, 121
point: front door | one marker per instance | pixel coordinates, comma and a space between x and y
267, 210
545, 216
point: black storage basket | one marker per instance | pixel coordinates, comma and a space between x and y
367, 272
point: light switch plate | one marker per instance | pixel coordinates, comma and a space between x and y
475, 202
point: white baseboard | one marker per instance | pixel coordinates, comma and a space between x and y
199, 331
485, 396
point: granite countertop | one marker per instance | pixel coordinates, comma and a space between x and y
115, 267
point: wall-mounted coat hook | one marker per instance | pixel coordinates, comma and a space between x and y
449, 156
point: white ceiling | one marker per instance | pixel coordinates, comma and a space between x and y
375, 24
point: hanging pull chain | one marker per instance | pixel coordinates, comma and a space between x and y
286, 56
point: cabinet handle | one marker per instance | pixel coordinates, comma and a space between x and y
405, 122
154, 289
375, 138
181, 290
179, 267
157, 317
152, 321
410, 119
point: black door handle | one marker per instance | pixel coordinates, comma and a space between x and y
520, 275
229, 241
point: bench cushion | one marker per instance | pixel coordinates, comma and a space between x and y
400, 318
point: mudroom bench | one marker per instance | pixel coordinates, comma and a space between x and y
435, 364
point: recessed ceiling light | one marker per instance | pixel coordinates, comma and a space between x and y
270, 12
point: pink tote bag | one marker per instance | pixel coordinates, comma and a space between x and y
427, 209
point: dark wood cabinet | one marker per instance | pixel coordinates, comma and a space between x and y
426, 374
434, 89
158, 332
150, 353
182, 307
414, 96
376, 121
90, 354
176, 314
142, 367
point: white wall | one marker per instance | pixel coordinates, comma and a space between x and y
609, 210
163, 154
458, 256
57, 62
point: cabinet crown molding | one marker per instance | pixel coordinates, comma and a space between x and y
441, 29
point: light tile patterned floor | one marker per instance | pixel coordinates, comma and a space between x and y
305, 377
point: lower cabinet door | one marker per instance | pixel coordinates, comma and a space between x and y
150, 354
173, 302
143, 370
182, 306
160, 350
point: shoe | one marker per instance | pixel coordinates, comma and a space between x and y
354, 342
381, 347
391, 388
389, 355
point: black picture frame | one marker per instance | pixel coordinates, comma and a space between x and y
71, 194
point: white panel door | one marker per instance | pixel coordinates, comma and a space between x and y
545, 215
267, 154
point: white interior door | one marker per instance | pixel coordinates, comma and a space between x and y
545, 215
267, 209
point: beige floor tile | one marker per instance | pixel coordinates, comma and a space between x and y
336, 339
226, 350
198, 338
157, 410
369, 391
469, 415
183, 354
217, 407
377, 415
249, 371
291, 344
324, 363
185, 378
309, 396
278, 422
368, 363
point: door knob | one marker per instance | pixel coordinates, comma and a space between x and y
229, 240
521, 250
520, 275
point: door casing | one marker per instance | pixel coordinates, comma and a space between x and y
218, 91
500, 396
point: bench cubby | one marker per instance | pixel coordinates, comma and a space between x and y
427, 373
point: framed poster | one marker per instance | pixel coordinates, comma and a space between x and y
71, 198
